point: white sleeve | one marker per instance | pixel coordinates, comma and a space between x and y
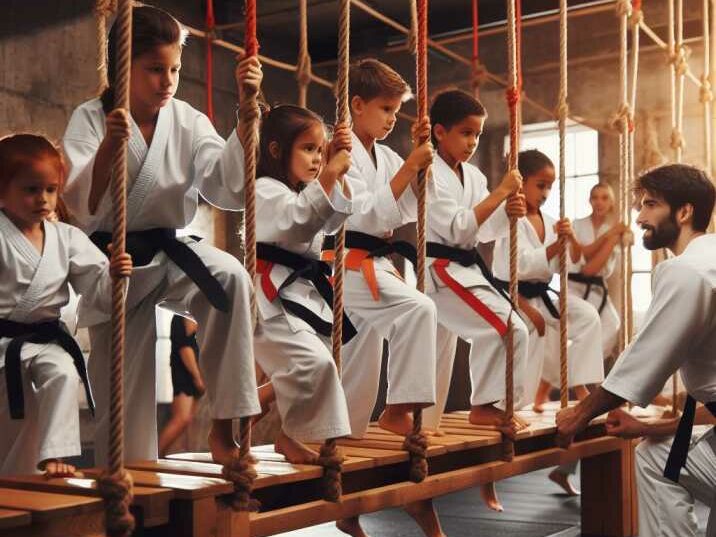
89, 273
283, 215
678, 313
218, 166
495, 226
449, 220
79, 145
374, 211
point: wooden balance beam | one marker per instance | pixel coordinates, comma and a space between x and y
184, 495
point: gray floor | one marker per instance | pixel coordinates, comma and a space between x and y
534, 507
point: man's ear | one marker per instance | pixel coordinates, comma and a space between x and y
274, 149
685, 214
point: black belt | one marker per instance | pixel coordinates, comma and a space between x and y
589, 281
144, 245
314, 270
680, 446
534, 290
376, 246
46, 332
467, 258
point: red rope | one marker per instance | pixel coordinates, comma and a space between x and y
251, 41
636, 4
210, 23
475, 24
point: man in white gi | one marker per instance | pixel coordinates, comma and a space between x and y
679, 333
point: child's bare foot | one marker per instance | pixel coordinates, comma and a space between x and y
58, 468
294, 451
423, 512
581, 392
221, 441
488, 415
489, 496
541, 396
563, 481
396, 419
351, 526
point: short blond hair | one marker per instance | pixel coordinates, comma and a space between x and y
371, 78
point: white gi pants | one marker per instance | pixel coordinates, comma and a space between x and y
487, 350
51, 427
584, 353
609, 316
225, 343
309, 395
666, 509
408, 320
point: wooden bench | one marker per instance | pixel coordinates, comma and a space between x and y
374, 478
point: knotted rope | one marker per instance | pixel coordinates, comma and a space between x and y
330, 458
115, 484
241, 470
303, 66
415, 442
706, 95
563, 111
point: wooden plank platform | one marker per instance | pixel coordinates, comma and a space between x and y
374, 478
11, 518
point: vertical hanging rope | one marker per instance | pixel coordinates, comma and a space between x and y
678, 62
415, 442
102, 10
478, 70
115, 484
241, 470
706, 94
210, 23
329, 457
303, 66
413, 33
513, 102
563, 112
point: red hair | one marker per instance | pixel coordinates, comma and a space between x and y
19, 151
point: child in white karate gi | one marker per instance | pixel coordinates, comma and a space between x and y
174, 155
40, 363
298, 200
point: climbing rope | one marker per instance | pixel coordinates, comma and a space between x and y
303, 66
563, 112
240, 470
103, 9
330, 458
706, 95
413, 33
513, 102
115, 484
478, 72
415, 442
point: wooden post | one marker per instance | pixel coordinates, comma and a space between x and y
607, 493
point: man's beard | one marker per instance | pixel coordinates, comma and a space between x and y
663, 235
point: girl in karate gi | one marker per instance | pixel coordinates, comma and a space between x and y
298, 200
599, 236
174, 155
40, 363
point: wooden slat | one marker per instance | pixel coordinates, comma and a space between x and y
47, 506
11, 518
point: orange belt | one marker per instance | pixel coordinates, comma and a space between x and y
360, 260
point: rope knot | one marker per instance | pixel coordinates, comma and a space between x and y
621, 119
116, 491
513, 96
241, 472
479, 74
562, 107
677, 139
416, 444
303, 70
332, 461
705, 92
637, 15
105, 8
680, 59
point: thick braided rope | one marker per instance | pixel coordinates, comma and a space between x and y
210, 22
241, 470
563, 112
513, 102
415, 442
678, 60
102, 11
706, 93
303, 66
329, 457
115, 485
